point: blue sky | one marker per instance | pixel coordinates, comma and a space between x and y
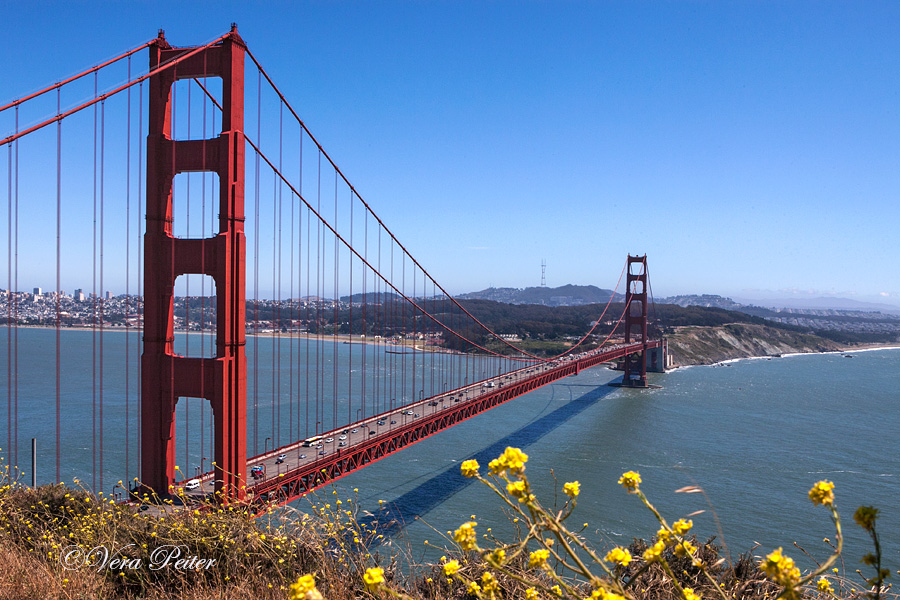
751, 149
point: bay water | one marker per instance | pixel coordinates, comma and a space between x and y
754, 435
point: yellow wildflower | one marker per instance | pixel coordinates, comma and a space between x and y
682, 526
469, 468
497, 557
555, 589
538, 558
474, 589
781, 569
865, 517
684, 549
305, 589
518, 489
451, 567
512, 460
822, 493
690, 594
373, 577
823, 585
654, 552
620, 556
571, 489
630, 480
465, 536
665, 536
531, 594
489, 583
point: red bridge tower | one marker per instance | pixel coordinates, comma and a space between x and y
636, 318
165, 376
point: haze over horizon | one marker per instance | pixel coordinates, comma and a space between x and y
750, 150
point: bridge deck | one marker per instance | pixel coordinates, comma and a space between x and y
346, 450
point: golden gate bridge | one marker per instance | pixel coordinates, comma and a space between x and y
356, 351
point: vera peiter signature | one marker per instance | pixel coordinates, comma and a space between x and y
101, 557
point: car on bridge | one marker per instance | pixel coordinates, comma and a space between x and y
280, 459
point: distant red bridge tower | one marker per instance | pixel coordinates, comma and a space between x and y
165, 376
636, 321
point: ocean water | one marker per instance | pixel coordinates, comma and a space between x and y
755, 435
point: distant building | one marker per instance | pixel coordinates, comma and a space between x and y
78, 295
109, 295
37, 291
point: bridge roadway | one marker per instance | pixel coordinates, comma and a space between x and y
350, 448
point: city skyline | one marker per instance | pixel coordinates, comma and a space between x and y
750, 150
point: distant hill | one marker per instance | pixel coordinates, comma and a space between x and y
372, 297
566, 295
706, 300
824, 304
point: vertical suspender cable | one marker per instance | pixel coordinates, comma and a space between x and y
318, 289
378, 327
308, 271
15, 443
127, 273
277, 432
102, 300
94, 311
403, 323
299, 293
393, 332
203, 281
350, 328
256, 274
425, 328
365, 324
58, 257
140, 304
413, 312
290, 394
275, 297
13, 291
187, 291
335, 328
212, 226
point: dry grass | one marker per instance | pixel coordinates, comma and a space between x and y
260, 558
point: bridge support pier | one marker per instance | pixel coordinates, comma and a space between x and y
166, 376
657, 358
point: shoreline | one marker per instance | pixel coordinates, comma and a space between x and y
413, 346
846, 350
407, 346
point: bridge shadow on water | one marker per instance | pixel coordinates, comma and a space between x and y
434, 491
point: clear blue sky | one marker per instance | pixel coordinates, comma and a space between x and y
746, 147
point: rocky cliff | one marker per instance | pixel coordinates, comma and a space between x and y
708, 345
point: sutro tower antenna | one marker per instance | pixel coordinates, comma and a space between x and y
543, 273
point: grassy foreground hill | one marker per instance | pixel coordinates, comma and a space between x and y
59, 542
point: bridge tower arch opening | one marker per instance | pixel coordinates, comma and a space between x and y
165, 375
